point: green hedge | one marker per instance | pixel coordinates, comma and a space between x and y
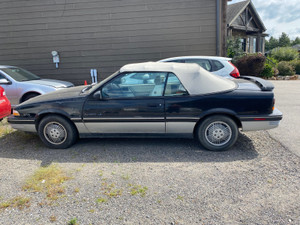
285, 54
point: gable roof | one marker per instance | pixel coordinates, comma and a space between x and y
234, 10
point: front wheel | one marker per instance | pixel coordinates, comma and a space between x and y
217, 133
57, 132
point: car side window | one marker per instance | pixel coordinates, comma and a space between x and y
217, 65
204, 63
135, 84
2, 77
177, 61
174, 86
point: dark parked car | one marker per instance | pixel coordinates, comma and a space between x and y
174, 100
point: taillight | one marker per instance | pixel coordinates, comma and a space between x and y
235, 72
273, 104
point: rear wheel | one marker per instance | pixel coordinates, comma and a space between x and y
57, 132
217, 133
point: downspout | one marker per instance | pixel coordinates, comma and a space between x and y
218, 28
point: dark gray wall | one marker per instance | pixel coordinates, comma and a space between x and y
102, 34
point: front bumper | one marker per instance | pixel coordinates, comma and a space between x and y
263, 122
23, 124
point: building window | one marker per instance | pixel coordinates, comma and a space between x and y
248, 45
243, 44
254, 45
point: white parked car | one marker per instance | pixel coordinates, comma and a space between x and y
21, 85
221, 66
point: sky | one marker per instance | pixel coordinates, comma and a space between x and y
279, 16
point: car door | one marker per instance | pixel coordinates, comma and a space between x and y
181, 111
129, 103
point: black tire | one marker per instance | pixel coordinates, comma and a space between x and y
217, 133
29, 96
57, 132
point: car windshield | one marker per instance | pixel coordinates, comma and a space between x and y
19, 74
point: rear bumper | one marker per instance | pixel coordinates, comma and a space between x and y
5, 108
263, 122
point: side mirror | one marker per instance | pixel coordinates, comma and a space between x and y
97, 95
4, 81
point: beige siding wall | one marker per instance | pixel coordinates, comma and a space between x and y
102, 34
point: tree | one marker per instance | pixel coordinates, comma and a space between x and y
272, 43
234, 48
296, 41
284, 40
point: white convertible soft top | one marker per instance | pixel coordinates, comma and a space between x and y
194, 78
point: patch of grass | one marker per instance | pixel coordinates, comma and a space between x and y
5, 128
138, 189
52, 219
48, 180
125, 177
92, 210
100, 173
101, 200
114, 193
110, 190
17, 202
179, 197
76, 190
73, 221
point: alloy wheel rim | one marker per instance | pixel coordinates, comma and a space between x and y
218, 133
55, 133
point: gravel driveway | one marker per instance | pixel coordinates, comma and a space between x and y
177, 182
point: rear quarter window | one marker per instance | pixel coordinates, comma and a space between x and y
216, 65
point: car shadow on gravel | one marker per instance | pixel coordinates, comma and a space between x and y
20, 145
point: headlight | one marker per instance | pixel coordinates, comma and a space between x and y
16, 113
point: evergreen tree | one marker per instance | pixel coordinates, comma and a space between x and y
296, 41
272, 43
284, 40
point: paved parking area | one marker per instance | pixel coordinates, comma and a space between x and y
175, 181
255, 182
287, 95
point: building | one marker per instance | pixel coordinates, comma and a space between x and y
106, 34
244, 22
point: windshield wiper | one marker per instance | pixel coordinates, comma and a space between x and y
87, 88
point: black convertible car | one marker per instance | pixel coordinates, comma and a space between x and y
152, 100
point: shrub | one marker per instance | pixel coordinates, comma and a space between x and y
285, 68
267, 71
252, 64
270, 68
296, 65
285, 54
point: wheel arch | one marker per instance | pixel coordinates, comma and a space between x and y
53, 112
227, 113
28, 93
